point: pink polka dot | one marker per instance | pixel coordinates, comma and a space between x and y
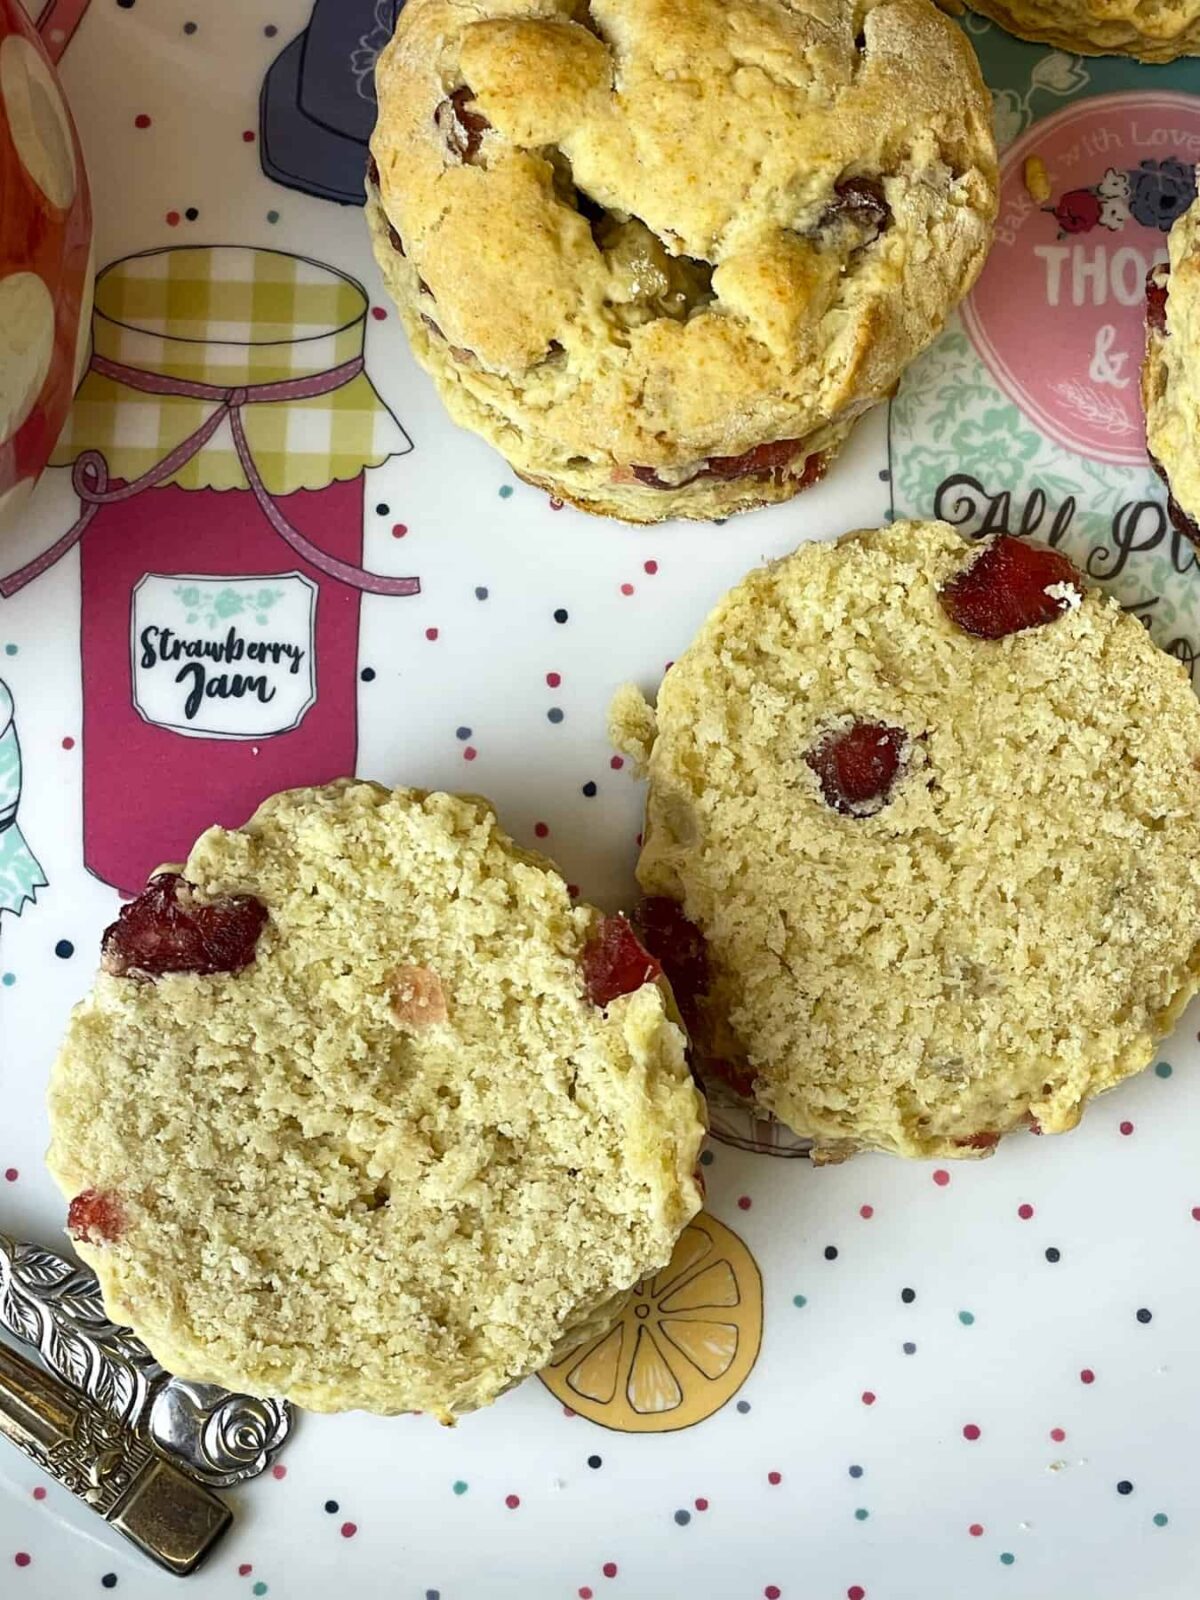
1196, 1213
1087, 1375
976, 1530
701, 1504
1025, 1211
39, 1493
68, 743
247, 135
744, 1202
616, 762
512, 1501
470, 753
856, 1592
868, 1399
555, 503
971, 1431
941, 1177
399, 529
567, 1412
278, 1471
379, 313
585, 1593
650, 566
22, 1558
866, 1212
141, 120
626, 588
11, 1174
1127, 1128
431, 634
772, 1591
609, 1569
172, 219
245, 1569
1058, 1434
554, 679
540, 830
349, 1529
774, 1477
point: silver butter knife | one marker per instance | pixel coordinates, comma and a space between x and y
144, 1449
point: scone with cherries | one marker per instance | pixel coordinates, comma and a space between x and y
362, 1110
662, 253
922, 844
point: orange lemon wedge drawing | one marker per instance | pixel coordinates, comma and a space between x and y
683, 1346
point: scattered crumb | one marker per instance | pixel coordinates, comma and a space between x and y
1067, 593
1037, 179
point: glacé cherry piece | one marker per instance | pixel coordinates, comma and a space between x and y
96, 1217
462, 127
861, 201
615, 963
978, 1141
763, 458
679, 945
857, 766
1157, 292
155, 933
1003, 591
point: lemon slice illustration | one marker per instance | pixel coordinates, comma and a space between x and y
684, 1345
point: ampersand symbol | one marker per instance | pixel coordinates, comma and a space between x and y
1105, 368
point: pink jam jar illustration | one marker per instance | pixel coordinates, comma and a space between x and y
1122, 169
219, 442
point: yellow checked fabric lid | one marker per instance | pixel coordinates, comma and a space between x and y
230, 316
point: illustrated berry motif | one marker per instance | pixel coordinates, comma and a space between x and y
615, 962
166, 930
1154, 194
96, 1217
1008, 588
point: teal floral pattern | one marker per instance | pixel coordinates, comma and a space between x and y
20, 875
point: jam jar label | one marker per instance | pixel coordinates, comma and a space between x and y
224, 657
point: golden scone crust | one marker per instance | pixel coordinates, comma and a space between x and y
1010, 933
400, 1160
663, 234
1150, 30
1171, 371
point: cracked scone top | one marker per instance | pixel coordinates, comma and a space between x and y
934, 810
1150, 30
662, 253
397, 1157
1171, 371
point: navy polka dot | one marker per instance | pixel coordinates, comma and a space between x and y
556, 714
109, 1581
908, 1296
383, 509
64, 949
1052, 1254
683, 1518
462, 733
831, 1253
909, 1348
743, 1406
561, 614
367, 674
594, 1462
332, 1506
1124, 1487
481, 593
191, 213
856, 1472
589, 789
1144, 1315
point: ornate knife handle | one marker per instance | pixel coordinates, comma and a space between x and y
168, 1515
54, 1306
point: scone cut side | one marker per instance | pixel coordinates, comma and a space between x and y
663, 255
400, 1158
1007, 932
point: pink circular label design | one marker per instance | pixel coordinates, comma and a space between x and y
1058, 314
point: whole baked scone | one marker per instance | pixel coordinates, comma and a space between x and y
662, 253
1171, 372
922, 840
1158, 31
363, 1111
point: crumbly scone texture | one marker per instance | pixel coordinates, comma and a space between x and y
642, 258
1171, 371
1009, 934
326, 1202
1150, 30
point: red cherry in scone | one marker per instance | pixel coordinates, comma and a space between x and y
156, 933
858, 765
1003, 591
615, 962
96, 1217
